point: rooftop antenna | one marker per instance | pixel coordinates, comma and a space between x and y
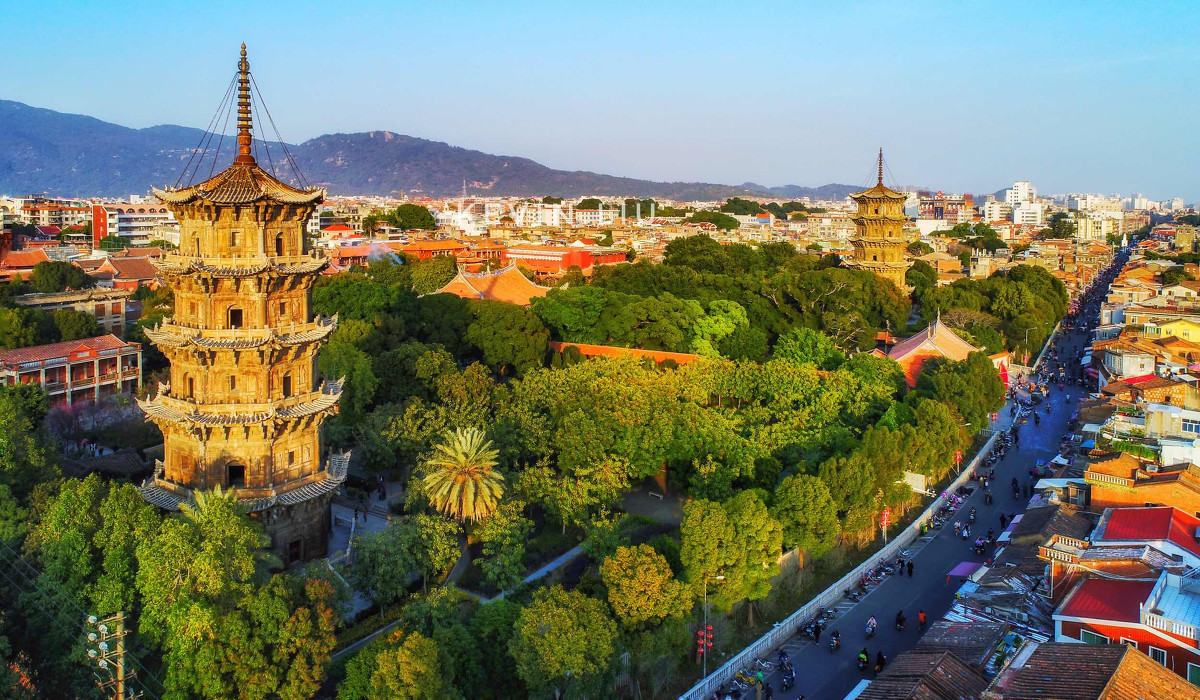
880, 165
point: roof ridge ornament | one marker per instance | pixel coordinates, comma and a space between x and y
245, 137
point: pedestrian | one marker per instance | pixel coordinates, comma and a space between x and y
816, 634
910, 568
1003, 520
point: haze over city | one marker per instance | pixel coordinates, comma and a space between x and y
1081, 97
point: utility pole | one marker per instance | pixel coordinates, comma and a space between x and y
109, 654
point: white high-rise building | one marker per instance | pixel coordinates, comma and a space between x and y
995, 210
1032, 213
1021, 192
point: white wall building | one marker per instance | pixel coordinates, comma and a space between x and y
1021, 192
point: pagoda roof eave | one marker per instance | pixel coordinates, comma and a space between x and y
238, 185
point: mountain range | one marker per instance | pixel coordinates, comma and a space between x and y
44, 151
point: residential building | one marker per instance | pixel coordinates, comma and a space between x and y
1029, 213
1061, 671
954, 208
995, 210
928, 675
76, 370
107, 305
1119, 480
554, 260
137, 223
1160, 618
1022, 192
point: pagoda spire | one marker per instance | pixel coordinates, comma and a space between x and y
244, 137
880, 148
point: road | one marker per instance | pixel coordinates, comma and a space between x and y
820, 674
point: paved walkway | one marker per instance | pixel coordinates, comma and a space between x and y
821, 674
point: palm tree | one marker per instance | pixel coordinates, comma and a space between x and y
462, 481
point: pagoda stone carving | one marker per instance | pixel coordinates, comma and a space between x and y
244, 406
879, 243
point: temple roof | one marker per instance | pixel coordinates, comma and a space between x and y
507, 285
243, 182
937, 337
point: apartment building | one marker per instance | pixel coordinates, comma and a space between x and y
76, 370
136, 223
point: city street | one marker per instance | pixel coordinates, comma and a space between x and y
820, 674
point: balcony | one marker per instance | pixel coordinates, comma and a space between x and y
82, 381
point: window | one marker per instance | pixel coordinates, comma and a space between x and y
1191, 426
1193, 673
192, 308
291, 458
1130, 642
1158, 655
287, 385
295, 551
1092, 638
233, 382
279, 244
191, 387
283, 309
235, 476
235, 317
233, 238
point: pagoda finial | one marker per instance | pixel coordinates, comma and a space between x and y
880, 148
244, 137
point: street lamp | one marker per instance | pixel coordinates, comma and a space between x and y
706, 631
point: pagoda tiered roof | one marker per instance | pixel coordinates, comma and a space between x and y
172, 410
170, 335
179, 265
168, 495
241, 183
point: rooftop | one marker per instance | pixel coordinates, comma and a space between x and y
1104, 599
1106, 672
54, 351
1160, 523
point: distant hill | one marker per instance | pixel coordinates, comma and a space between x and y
830, 191
75, 155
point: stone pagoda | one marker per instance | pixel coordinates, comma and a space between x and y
879, 245
244, 406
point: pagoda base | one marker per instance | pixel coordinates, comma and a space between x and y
299, 532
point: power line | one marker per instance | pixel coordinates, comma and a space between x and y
56, 601
206, 137
283, 144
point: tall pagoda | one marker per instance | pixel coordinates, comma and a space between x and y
244, 406
879, 244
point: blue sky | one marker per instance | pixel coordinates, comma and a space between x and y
1077, 96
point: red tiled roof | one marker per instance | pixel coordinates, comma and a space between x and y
133, 268
23, 258
507, 285
1104, 599
1151, 524
53, 351
338, 227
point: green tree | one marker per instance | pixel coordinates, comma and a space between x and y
724, 222
27, 451
1061, 226
642, 590
411, 216
552, 200
563, 637
430, 275
431, 542
806, 513
919, 248
737, 205
341, 360
382, 564
58, 276
921, 277
509, 337
503, 536
405, 666
493, 626
75, 325
461, 478
804, 345
1174, 275
588, 204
